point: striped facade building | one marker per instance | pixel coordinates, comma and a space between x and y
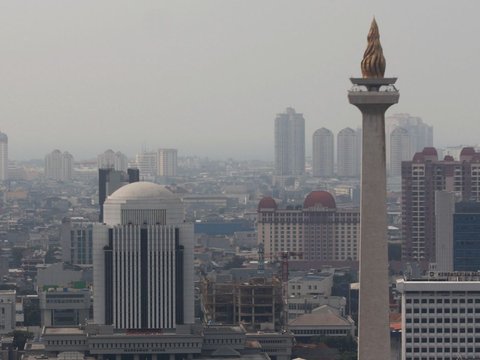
143, 260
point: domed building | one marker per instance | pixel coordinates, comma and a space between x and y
143, 260
317, 230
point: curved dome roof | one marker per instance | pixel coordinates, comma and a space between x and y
316, 198
267, 203
142, 190
467, 151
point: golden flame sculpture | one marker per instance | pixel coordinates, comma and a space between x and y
373, 63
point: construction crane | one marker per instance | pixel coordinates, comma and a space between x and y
285, 257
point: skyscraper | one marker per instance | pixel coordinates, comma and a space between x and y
3, 156
399, 150
167, 162
114, 160
421, 177
347, 163
289, 143
59, 166
419, 134
143, 260
323, 153
377, 96
146, 162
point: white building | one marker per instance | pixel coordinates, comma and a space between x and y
399, 150
146, 163
143, 260
310, 284
3, 156
167, 162
289, 143
323, 153
440, 317
64, 307
420, 136
7, 311
59, 166
112, 160
347, 153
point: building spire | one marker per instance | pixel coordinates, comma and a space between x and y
373, 63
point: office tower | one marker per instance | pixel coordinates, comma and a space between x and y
421, 177
110, 180
373, 318
466, 236
59, 166
146, 163
114, 160
167, 162
399, 150
444, 210
318, 230
289, 143
76, 237
143, 260
347, 145
322, 155
440, 317
3, 156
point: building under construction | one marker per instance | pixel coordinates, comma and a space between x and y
255, 303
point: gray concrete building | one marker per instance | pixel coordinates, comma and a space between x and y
323, 153
289, 143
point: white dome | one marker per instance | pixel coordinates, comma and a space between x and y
142, 190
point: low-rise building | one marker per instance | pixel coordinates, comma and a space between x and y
7, 311
64, 307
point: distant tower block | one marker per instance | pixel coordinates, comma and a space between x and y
380, 94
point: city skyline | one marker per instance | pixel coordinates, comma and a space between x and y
146, 68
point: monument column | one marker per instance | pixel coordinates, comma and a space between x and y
373, 94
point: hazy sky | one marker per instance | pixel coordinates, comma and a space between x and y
208, 76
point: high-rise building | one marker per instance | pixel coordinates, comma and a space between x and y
466, 236
112, 160
146, 163
143, 260
167, 162
347, 153
289, 143
3, 156
318, 230
110, 180
323, 153
379, 93
419, 134
440, 317
59, 166
76, 236
421, 177
444, 210
399, 150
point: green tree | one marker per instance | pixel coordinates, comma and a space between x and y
20, 337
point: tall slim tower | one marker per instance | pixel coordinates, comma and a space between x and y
289, 143
322, 155
3, 156
167, 162
347, 153
380, 94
